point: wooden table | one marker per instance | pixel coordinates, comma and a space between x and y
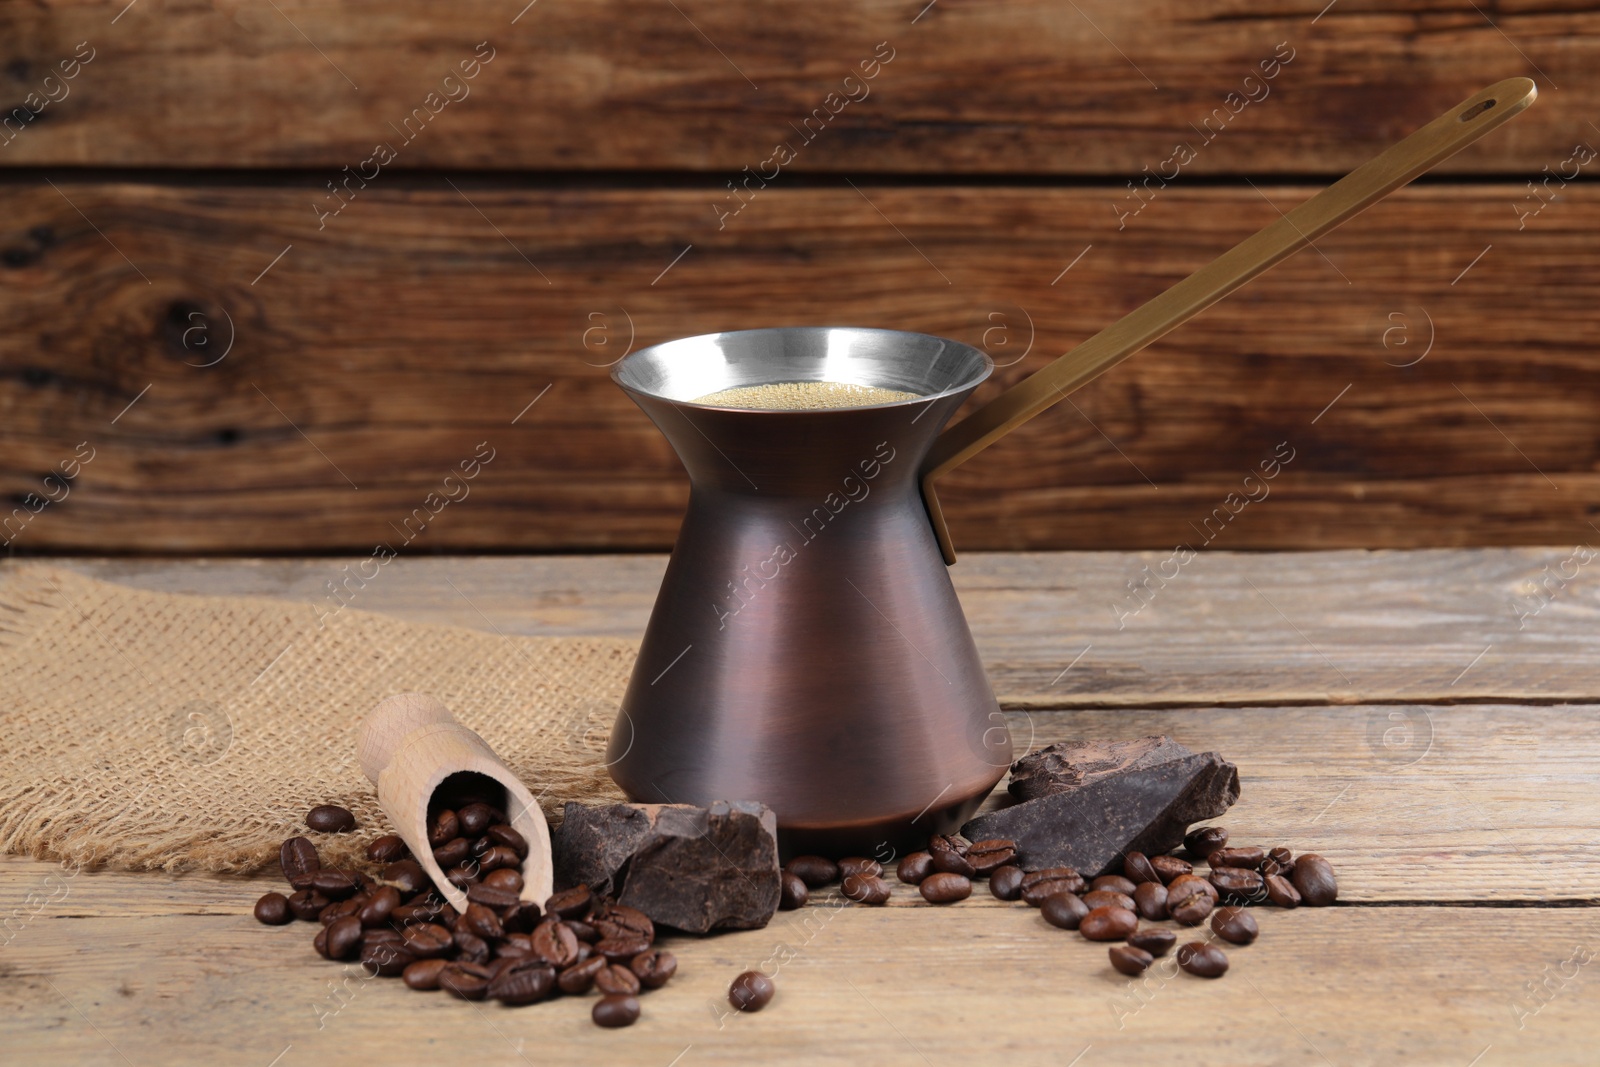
1389, 710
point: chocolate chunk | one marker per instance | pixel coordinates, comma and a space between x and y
696, 869
1087, 803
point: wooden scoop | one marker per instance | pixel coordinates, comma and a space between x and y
1350, 195
410, 746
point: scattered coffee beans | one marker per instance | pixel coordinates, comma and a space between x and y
1282, 892
1065, 910
1236, 925
1313, 878
1108, 924
1154, 940
1114, 882
1006, 883
914, 868
330, 819
1249, 858
945, 887
865, 889
792, 891
1202, 960
814, 871
1129, 960
1136, 867
614, 1010
1204, 841
1169, 867
386, 849
1038, 886
751, 991
990, 855
1150, 901
273, 909
859, 865
298, 860
1107, 898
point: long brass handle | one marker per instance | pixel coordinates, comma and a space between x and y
1356, 191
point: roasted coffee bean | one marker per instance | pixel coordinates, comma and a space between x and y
427, 907
490, 897
615, 978
444, 828
1236, 881
320, 942
509, 836
945, 887
1185, 884
751, 991
334, 912
427, 941
654, 968
463, 877
523, 983
273, 909
859, 865
483, 922
407, 875
298, 859
1150, 901
475, 819
1282, 892
1169, 867
382, 935
948, 843
335, 885
952, 862
1108, 898
583, 931
499, 858
424, 974
914, 868
470, 947
1154, 940
814, 871
379, 906
386, 849
1006, 883
992, 854
579, 978
1137, 869
1248, 858
515, 947
792, 891
865, 889
571, 903
1236, 925
1313, 877
464, 981
506, 878
1279, 861
1114, 882
556, 944
1203, 960
621, 949
1037, 885
344, 936
330, 819
1191, 909
1204, 841
617, 1009
1065, 910
453, 853
1108, 924
619, 920
307, 904
1129, 960
521, 918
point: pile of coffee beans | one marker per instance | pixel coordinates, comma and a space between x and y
502, 948
1108, 908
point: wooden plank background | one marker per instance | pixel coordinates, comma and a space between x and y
256, 373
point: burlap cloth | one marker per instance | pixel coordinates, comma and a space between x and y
148, 731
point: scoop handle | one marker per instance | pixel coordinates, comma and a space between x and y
1356, 191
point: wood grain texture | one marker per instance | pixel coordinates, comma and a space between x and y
1022, 86
1420, 627
381, 349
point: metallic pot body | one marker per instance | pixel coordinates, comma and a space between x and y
807, 648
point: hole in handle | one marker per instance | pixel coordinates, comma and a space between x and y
1475, 110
